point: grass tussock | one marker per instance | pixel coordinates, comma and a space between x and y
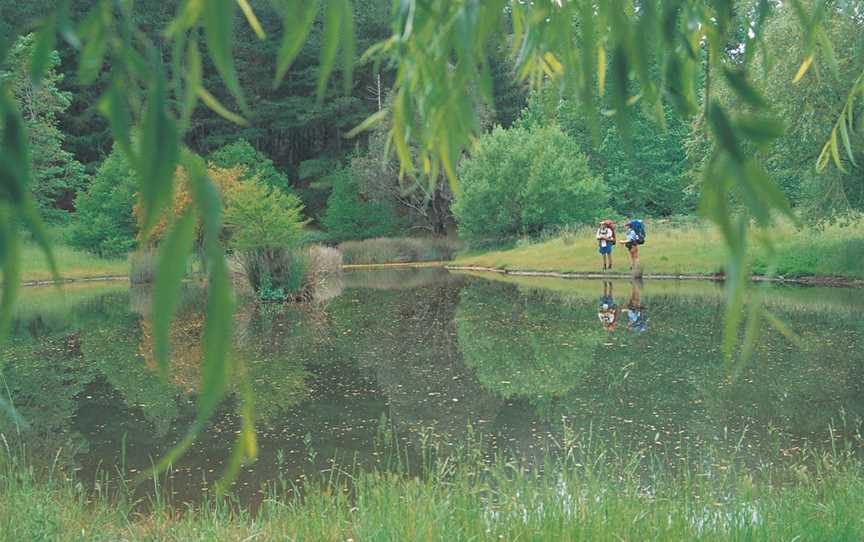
142, 265
581, 492
690, 248
399, 250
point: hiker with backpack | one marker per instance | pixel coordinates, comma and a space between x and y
635, 237
606, 240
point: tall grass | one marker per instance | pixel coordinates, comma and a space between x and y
399, 250
581, 491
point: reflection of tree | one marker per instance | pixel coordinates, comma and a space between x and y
407, 342
525, 343
269, 342
671, 387
44, 375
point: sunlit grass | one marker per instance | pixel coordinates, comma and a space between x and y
690, 249
72, 264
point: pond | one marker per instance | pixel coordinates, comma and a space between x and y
427, 355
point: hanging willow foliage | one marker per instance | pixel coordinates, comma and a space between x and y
438, 50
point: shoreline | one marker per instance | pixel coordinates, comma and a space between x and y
839, 282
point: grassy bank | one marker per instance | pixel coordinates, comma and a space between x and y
399, 250
72, 264
690, 249
584, 494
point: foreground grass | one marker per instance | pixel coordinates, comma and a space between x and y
72, 264
469, 499
694, 249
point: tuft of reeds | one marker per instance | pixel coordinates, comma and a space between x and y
142, 265
399, 250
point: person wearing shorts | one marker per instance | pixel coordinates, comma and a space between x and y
605, 239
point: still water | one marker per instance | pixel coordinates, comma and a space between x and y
429, 355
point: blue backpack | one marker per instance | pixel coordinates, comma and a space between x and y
639, 228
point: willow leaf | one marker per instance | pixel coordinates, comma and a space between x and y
847, 144
297, 22
349, 52
173, 256
10, 257
14, 152
835, 151
214, 104
157, 154
802, 70
253, 21
738, 81
46, 39
333, 13
219, 33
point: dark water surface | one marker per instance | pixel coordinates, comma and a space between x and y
431, 355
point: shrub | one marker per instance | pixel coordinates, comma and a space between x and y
255, 163
406, 249
522, 181
351, 216
224, 178
264, 225
104, 223
259, 217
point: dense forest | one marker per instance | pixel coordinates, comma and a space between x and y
351, 188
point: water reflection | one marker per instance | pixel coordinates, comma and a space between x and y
434, 355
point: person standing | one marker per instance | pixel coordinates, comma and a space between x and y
635, 237
606, 239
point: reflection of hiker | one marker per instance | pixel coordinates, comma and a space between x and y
637, 320
606, 238
608, 312
635, 237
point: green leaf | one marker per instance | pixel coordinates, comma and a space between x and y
157, 154
219, 32
30, 218
187, 15
211, 102
297, 22
46, 39
349, 52
847, 144
193, 75
252, 19
216, 340
10, 258
737, 79
173, 255
333, 13
768, 193
14, 152
723, 131
94, 32
835, 151
119, 115
246, 445
370, 121
761, 130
